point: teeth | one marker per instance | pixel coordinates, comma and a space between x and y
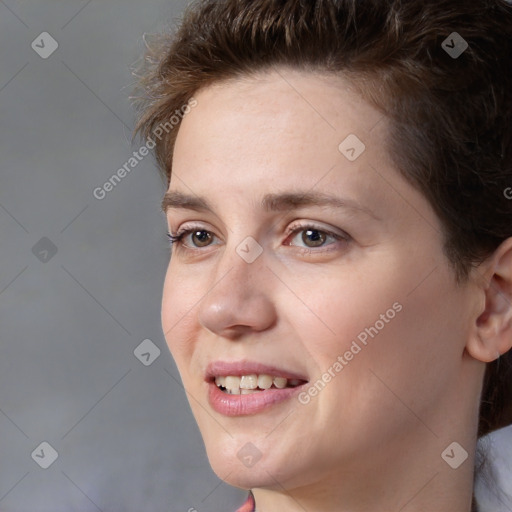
280, 382
247, 384
265, 381
232, 385
248, 391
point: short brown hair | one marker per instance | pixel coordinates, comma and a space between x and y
450, 116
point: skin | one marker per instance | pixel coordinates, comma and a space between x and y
372, 438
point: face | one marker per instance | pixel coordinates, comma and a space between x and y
350, 298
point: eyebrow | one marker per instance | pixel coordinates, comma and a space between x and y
271, 202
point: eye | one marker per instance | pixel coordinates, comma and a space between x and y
203, 236
315, 236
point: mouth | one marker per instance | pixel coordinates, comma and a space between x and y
253, 383
243, 388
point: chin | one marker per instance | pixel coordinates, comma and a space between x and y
236, 468
246, 479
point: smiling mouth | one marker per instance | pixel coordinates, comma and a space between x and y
254, 383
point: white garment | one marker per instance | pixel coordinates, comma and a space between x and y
493, 486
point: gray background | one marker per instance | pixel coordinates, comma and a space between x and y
70, 321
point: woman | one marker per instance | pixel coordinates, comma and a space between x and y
338, 297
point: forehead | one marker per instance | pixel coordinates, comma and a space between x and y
280, 94
275, 120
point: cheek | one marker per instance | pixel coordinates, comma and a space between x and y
343, 308
386, 323
177, 314
378, 383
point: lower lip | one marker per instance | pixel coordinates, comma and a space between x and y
253, 403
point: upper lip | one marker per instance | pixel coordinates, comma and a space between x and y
239, 368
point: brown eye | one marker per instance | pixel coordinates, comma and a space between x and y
315, 236
202, 236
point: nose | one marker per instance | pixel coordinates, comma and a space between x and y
239, 298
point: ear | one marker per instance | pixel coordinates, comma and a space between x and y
491, 335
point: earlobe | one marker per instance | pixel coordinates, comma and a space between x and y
492, 330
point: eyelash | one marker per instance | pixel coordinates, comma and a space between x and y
178, 238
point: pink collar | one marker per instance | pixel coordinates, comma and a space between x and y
249, 505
